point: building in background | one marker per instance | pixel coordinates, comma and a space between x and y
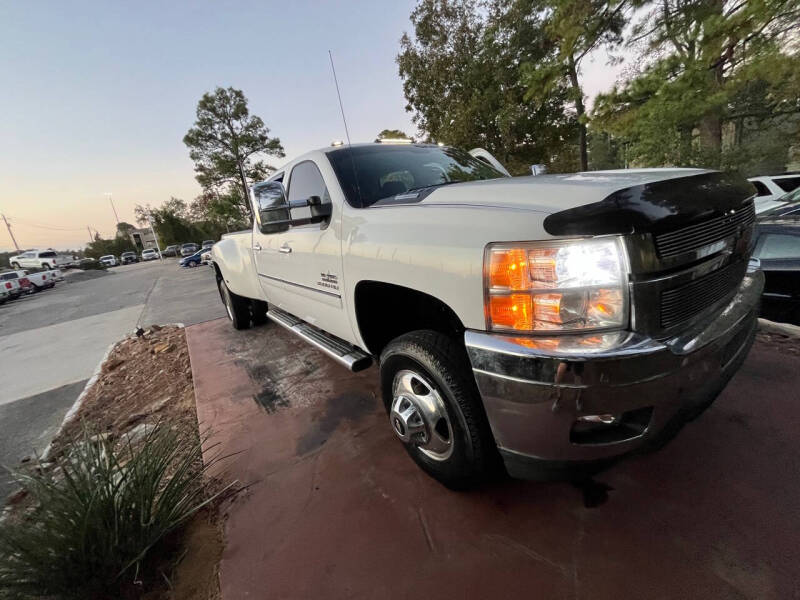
143, 238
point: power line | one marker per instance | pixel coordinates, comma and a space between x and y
50, 227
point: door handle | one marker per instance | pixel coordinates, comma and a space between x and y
285, 249
257, 247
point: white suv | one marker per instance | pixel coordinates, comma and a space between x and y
38, 259
770, 188
108, 260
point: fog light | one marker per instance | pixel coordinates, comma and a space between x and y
604, 419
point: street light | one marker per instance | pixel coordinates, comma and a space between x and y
110, 199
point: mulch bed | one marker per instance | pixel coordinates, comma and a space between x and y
147, 378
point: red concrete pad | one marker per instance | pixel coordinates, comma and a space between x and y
336, 509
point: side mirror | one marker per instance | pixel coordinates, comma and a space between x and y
319, 211
274, 212
270, 206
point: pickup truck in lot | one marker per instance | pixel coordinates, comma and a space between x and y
38, 259
554, 323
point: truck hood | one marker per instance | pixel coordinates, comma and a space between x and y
607, 202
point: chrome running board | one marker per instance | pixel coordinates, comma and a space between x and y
350, 356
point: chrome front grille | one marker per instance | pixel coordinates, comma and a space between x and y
681, 303
694, 237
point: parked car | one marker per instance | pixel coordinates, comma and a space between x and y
786, 209
127, 258
11, 285
30, 281
108, 260
778, 249
193, 260
207, 244
770, 188
24, 284
38, 259
189, 249
170, 251
149, 254
560, 321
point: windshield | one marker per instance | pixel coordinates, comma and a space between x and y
106, 257
371, 173
187, 246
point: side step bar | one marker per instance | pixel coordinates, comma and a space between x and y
350, 356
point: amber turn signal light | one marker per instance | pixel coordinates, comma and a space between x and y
508, 269
513, 312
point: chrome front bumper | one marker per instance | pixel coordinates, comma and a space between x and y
538, 393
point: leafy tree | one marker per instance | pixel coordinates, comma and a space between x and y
101, 246
393, 134
719, 85
461, 79
124, 229
228, 144
575, 28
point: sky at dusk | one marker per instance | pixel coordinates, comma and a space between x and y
98, 95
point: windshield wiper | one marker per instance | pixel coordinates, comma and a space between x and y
433, 185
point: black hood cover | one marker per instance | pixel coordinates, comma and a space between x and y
655, 207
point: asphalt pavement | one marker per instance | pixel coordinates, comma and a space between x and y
51, 342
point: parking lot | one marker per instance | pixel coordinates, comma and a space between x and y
51, 342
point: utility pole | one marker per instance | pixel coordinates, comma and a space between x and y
13, 239
91, 239
158, 246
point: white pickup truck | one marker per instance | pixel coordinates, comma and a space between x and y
555, 322
38, 259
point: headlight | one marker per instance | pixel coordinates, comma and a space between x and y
559, 285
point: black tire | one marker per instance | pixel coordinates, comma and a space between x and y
15, 265
443, 363
46, 267
259, 312
237, 307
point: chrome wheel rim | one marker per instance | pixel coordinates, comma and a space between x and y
418, 415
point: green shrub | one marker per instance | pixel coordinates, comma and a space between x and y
99, 513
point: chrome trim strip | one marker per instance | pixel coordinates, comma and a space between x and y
305, 287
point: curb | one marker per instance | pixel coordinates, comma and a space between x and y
73, 410
792, 331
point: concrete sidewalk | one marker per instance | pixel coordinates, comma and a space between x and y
336, 509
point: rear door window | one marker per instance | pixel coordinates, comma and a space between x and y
787, 184
47, 254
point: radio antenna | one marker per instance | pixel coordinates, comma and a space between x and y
339, 95
346, 132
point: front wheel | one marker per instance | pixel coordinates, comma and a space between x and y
435, 408
15, 265
238, 308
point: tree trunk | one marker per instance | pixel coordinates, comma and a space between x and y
245, 189
580, 110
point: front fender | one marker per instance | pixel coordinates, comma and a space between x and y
233, 256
